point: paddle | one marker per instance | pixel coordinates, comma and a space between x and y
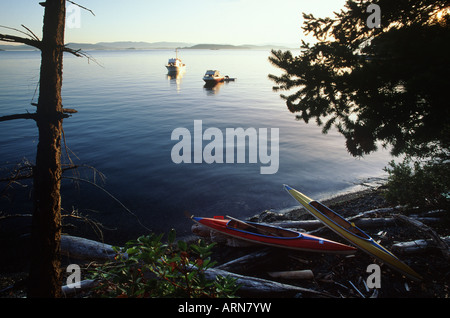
260, 230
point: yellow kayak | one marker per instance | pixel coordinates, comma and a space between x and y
352, 233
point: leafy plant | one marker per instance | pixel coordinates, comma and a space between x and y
148, 267
421, 184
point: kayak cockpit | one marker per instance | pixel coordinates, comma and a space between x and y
339, 220
260, 229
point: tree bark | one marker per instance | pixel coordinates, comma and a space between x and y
45, 272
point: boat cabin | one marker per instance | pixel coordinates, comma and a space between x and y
212, 73
174, 62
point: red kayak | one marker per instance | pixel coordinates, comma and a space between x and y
273, 236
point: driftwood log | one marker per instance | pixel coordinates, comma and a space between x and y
417, 246
73, 289
84, 249
441, 244
298, 274
260, 286
246, 262
362, 222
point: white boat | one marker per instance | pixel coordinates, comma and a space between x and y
175, 65
213, 77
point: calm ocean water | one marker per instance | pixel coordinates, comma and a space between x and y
127, 110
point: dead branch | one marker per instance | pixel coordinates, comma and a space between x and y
32, 34
69, 111
441, 244
95, 225
245, 262
113, 197
18, 116
259, 286
17, 39
74, 3
297, 274
26, 172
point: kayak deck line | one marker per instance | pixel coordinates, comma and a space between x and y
351, 233
273, 236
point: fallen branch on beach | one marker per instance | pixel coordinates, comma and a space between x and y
362, 222
246, 262
259, 286
84, 249
417, 246
440, 243
77, 288
297, 274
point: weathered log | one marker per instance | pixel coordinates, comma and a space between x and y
441, 244
260, 286
416, 246
84, 249
363, 222
75, 288
298, 274
245, 262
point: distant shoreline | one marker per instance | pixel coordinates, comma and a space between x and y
128, 45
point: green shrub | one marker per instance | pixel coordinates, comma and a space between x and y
419, 184
151, 268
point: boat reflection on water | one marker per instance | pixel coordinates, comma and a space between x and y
213, 88
175, 78
214, 81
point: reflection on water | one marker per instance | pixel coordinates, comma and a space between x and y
212, 88
175, 78
127, 111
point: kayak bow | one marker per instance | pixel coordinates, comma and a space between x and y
352, 233
273, 236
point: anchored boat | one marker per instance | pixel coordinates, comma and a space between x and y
272, 236
175, 65
352, 233
213, 77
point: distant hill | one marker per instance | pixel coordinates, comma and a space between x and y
233, 47
21, 47
215, 47
128, 45
143, 45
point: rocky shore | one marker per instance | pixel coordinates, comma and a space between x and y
346, 277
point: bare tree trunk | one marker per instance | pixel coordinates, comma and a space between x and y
45, 272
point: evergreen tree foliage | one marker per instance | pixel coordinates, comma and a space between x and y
385, 85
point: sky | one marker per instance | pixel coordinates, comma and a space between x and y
233, 22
